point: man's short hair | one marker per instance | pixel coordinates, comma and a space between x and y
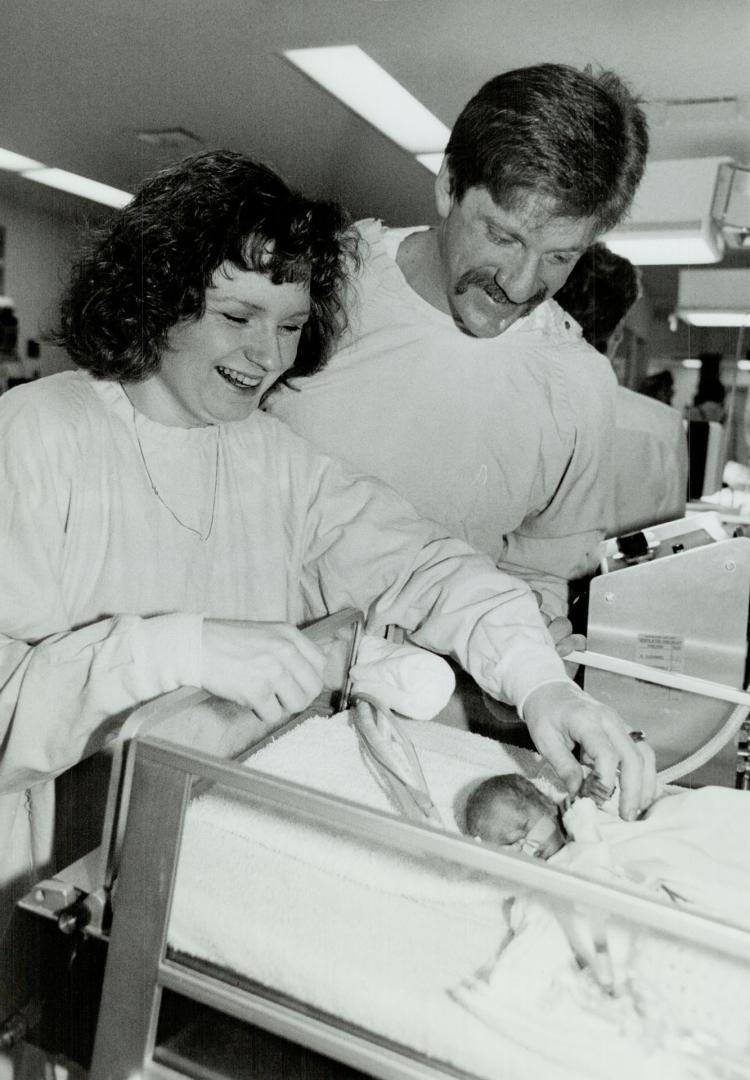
578, 138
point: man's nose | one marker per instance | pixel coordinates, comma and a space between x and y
519, 279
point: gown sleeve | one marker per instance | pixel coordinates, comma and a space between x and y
62, 689
367, 547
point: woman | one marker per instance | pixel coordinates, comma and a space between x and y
161, 532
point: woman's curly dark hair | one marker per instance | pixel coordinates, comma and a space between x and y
150, 266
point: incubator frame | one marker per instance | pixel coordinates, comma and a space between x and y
140, 967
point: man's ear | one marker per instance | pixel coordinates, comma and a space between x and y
444, 190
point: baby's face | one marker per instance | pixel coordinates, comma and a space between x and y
522, 818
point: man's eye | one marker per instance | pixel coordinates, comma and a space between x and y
562, 259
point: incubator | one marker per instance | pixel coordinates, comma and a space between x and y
257, 887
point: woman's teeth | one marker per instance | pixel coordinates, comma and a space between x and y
237, 378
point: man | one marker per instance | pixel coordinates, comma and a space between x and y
651, 463
459, 381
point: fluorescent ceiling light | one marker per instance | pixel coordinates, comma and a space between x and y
431, 161
693, 364
671, 219
64, 181
714, 318
365, 87
687, 247
79, 185
714, 297
16, 162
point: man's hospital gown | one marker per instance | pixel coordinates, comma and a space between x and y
104, 590
507, 441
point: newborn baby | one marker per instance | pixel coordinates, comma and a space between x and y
510, 811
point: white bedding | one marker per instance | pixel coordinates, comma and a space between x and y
402, 947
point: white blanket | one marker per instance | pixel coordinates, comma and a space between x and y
688, 1004
369, 936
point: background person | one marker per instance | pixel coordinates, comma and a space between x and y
708, 400
460, 382
659, 385
161, 532
651, 460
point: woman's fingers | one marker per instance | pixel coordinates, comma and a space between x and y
270, 667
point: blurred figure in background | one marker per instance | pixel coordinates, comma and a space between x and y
659, 385
708, 403
650, 446
708, 446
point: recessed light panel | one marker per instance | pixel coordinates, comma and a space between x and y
352, 76
79, 185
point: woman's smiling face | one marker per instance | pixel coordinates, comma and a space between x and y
216, 368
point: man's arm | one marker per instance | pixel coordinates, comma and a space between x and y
561, 542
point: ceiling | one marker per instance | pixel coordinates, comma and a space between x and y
78, 78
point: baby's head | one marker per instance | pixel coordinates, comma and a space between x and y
510, 811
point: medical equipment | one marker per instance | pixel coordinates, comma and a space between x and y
667, 636
391, 753
420, 923
250, 901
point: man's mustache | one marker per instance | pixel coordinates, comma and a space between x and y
494, 291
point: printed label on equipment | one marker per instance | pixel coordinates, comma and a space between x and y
663, 651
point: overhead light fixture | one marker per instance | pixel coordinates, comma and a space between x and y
175, 139
714, 297
671, 221
347, 72
692, 364
62, 180
431, 161
78, 185
11, 162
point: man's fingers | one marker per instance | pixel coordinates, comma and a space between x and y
631, 773
648, 793
552, 746
560, 715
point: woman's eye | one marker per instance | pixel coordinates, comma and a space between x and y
237, 319
291, 329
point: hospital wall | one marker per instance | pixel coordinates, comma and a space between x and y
42, 230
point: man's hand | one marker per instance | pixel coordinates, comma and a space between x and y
272, 668
559, 715
561, 631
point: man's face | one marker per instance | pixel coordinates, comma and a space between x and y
500, 263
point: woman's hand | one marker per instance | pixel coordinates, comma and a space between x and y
559, 715
271, 668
